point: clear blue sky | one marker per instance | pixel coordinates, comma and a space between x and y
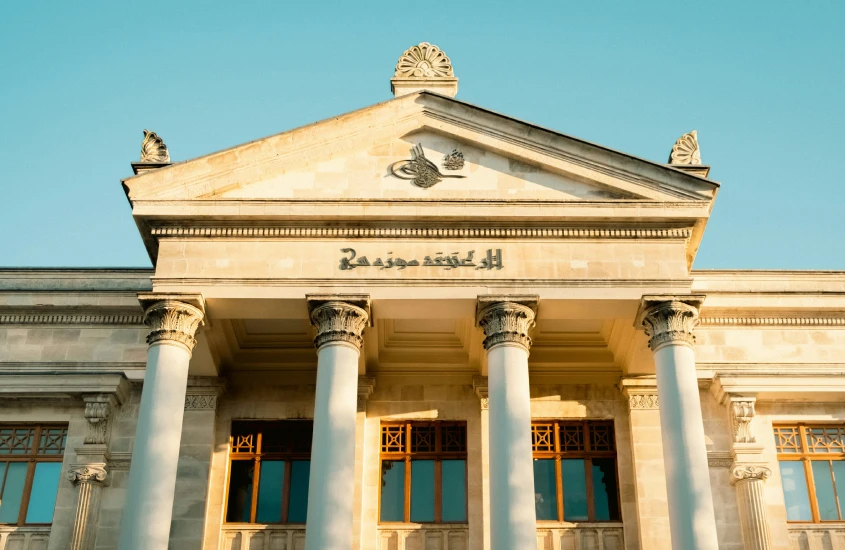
762, 82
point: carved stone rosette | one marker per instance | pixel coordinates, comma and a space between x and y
506, 322
669, 320
338, 321
742, 412
174, 321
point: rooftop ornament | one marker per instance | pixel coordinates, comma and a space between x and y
424, 67
153, 149
686, 151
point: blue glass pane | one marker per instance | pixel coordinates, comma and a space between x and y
826, 498
392, 490
795, 491
13, 492
839, 480
574, 489
42, 499
422, 491
545, 489
270, 491
240, 491
605, 494
454, 490
300, 473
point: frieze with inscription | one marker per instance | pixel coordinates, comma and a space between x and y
453, 260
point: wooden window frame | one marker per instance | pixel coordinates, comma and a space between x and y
32, 457
806, 457
257, 456
587, 454
407, 455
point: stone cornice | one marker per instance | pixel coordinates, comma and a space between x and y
506, 319
317, 232
339, 318
669, 319
50, 385
173, 317
768, 386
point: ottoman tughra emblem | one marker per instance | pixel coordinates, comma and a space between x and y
419, 169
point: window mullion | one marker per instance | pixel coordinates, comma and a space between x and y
27, 489
407, 488
438, 491
256, 474
588, 474
286, 491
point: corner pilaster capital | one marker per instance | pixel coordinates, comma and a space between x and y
669, 319
479, 385
641, 392
366, 385
89, 473
173, 317
748, 472
203, 393
506, 319
339, 318
98, 412
741, 412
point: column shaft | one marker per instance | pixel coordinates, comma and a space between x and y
513, 517
752, 514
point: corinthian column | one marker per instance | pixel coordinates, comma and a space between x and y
173, 322
669, 322
749, 481
89, 479
506, 321
340, 322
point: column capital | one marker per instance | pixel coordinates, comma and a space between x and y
89, 473
744, 472
339, 318
173, 317
506, 319
669, 319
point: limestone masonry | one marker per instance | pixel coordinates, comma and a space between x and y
421, 325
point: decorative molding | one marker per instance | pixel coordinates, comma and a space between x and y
669, 319
643, 401
89, 473
719, 459
425, 232
338, 320
153, 149
479, 384
741, 410
773, 321
742, 472
686, 150
366, 385
69, 317
120, 461
171, 319
506, 319
201, 402
98, 410
423, 61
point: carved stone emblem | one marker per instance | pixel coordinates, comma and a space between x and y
454, 160
153, 149
685, 150
419, 169
423, 61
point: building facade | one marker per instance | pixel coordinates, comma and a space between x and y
421, 325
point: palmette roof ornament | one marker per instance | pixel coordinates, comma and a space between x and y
686, 150
423, 61
153, 149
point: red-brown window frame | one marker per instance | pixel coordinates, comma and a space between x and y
407, 455
257, 456
32, 457
587, 454
806, 457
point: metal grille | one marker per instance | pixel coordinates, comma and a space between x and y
16, 441
52, 441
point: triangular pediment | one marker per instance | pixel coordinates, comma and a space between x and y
365, 154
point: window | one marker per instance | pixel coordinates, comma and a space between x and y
424, 472
575, 471
269, 471
812, 470
30, 468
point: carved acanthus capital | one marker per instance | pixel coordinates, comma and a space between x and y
742, 411
506, 319
98, 411
339, 320
89, 473
173, 318
749, 473
669, 319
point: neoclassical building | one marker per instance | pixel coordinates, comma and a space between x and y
422, 325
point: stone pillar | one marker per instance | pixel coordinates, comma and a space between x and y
479, 384
89, 480
749, 481
669, 322
366, 385
340, 322
506, 321
173, 322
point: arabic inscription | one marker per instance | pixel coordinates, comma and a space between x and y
491, 260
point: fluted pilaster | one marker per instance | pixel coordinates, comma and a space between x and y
89, 480
750, 487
